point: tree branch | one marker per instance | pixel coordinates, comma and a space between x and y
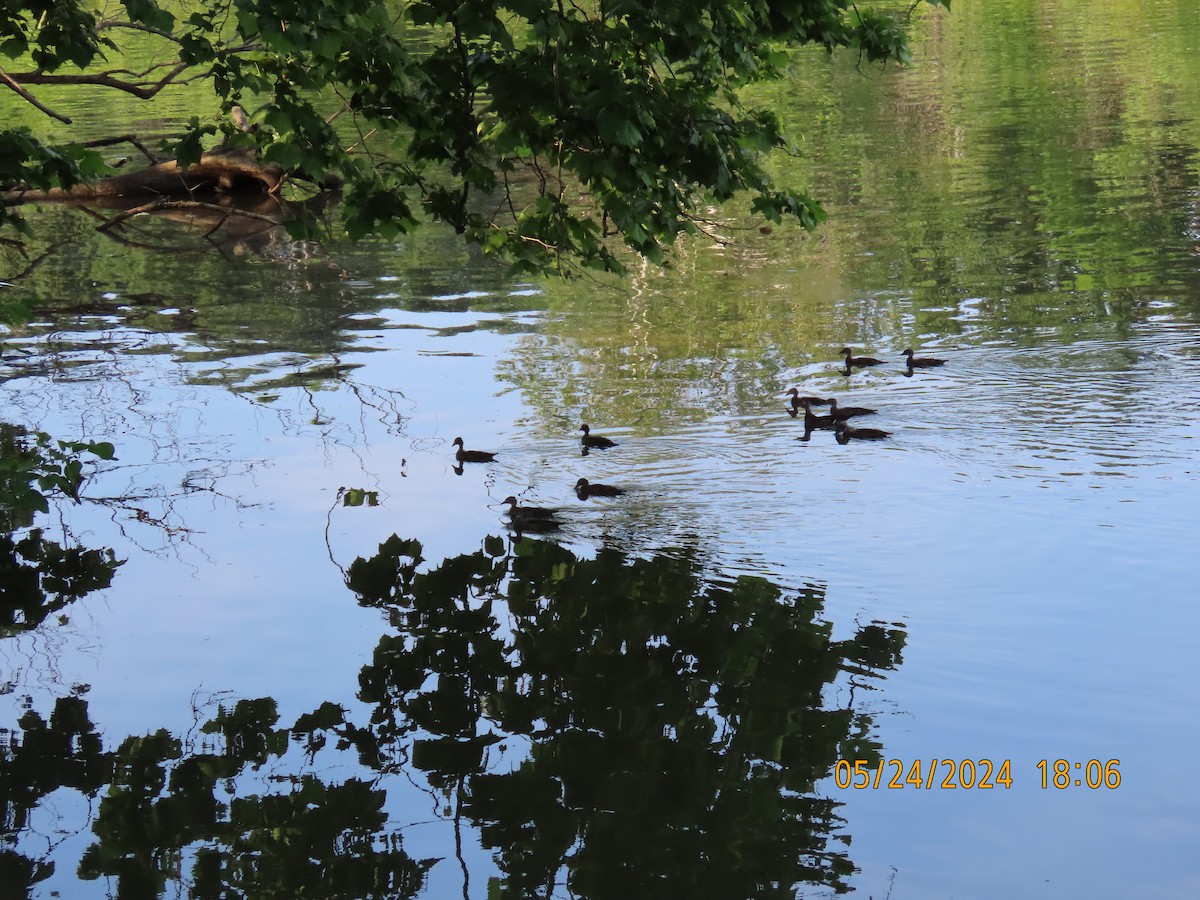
138, 26
125, 139
29, 98
143, 93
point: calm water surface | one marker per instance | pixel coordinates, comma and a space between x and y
1008, 577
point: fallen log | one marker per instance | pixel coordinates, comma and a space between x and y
218, 172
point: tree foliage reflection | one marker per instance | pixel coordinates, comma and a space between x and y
676, 727
39, 576
611, 726
172, 812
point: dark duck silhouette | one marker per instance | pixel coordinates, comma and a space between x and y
859, 360
842, 413
922, 362
844, 433
811, 420
585, 489
466, 456
594, 441
797, 401
531, 518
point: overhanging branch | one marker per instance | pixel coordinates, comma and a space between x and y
12, 82
104, 80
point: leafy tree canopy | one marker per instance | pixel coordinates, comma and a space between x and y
545, 130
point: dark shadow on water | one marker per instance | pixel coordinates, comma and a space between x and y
40, 576
608, 727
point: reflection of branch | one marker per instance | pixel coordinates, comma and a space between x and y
157, 205
140, 514
34, 264
891, 883
142, 245
388, 410
341, 492
458, 847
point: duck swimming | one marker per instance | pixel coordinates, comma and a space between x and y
531, 518
797, 399
859, 360
844, 433
594, 441
812, 421
842, 413
585, 489
922, 362
797, 402
463, 455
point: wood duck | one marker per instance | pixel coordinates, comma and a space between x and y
531, 518
844, 433
594, 441
812, 421
859, 360
797, 399
922, 362
585, 489
466, 456
842, 413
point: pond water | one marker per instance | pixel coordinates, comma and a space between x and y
324, 666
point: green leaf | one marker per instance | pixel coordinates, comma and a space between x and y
615, 128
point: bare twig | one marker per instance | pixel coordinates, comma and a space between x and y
138, 26
125, 139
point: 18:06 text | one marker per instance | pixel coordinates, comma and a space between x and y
981, 774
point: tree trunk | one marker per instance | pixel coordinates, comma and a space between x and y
217, 172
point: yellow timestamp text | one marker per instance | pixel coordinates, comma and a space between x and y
950, 774
972, 774
1094, 773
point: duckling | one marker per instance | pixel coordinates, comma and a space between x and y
844, 433
531, 518
922, 362
812, 421
585, 489
859, 360
797, 399
594, 441
466, 456
842, 413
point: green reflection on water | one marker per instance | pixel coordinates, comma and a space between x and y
1031, 178
1030, 183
